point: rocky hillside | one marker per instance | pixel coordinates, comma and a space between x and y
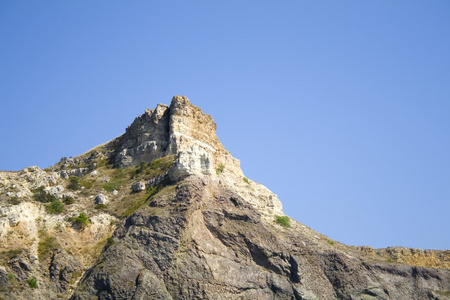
165, 212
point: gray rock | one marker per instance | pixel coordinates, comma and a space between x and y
62, 268
138, 187
202, 241
101, 199
64, 174
56, 191
14, 219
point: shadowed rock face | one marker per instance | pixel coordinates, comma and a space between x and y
202, 241
185, 224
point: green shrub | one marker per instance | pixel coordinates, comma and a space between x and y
283, 221
220, 169
14, 201
56, 207
32, 282
82, 220
41, 195
74, 183
68, 200
246, 180
331, 242
390, 259
10, 276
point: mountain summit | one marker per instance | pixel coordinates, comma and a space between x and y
165, 212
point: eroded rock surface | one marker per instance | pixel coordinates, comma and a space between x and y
165, 212
202, 241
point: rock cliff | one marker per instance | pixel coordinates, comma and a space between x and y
165, 212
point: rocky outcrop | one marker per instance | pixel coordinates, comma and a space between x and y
20, 184
184, 131
166, 213
202, 241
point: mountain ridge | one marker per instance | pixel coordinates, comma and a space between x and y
168, 194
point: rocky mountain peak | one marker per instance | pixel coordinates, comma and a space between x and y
165, 212
169, 130
185, 131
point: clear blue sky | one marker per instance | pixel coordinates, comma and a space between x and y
342, 108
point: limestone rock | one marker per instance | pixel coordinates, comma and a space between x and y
101, 199
146, 139
138, 187
56, 191
183, 130
203, 230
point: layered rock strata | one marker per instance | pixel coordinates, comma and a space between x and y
183, 130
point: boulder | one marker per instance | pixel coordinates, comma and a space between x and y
56, 191
138, 187
101, 199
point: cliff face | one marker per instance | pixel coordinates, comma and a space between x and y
170, 215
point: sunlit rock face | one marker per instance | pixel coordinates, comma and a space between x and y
183, 130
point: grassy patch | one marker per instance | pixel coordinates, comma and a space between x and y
45, 245
109, 242
94, 250
117, 181
246, 180
87, 184
154, 168
10, 254
135, 205
132, 203
331, 242
283, 221
75, 276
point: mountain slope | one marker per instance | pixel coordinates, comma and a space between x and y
171, 216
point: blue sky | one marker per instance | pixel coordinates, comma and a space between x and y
339, 107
